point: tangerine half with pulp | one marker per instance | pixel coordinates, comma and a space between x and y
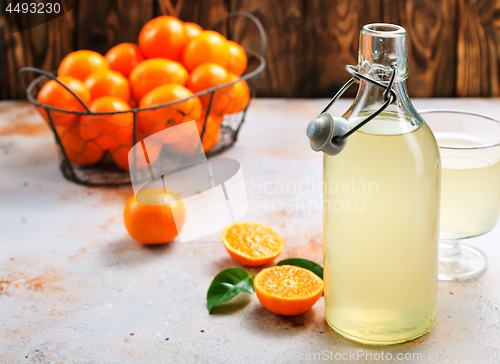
251, 243
287, 290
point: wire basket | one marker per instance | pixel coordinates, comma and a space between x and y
85, 161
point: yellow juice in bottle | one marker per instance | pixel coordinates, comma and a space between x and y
470, 197
381, 216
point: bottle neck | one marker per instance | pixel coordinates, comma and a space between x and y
370, 98
381, 45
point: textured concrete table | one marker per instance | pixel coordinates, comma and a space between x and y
75, 288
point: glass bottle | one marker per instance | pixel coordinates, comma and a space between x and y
381, 208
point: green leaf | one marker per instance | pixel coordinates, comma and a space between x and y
228, 284
303, 263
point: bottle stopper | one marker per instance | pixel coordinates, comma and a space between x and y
323, 132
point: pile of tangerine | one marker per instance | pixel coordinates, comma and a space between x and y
173, 61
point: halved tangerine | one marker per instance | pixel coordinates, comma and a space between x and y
287, 290
251, 243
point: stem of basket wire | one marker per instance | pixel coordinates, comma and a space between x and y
50, 76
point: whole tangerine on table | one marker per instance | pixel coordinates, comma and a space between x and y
152, 121
206, 76
80, 64
209, 46
152, 73
108, 131
287, 290
152, 221
163, 37
108, 83
124, 57
55, 95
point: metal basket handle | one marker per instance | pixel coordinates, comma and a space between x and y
254, 19
49, 75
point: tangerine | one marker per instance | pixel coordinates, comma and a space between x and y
108, 83
153, 121
209, 46
212, 129
287, 290
163, 37
186, 141
108, 131
80, 64
152, 73
151, 221
143, 155
192, 30
251, 243
206, 76
239, 96
123, 58
79, 151
55, 95
237, 62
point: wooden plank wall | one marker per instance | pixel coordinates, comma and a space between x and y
454, 45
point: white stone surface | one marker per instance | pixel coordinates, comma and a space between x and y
75, 288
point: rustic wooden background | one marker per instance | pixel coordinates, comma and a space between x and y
454, 45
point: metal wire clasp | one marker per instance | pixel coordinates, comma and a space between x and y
329, 133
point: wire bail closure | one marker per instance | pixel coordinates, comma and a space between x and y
329, 133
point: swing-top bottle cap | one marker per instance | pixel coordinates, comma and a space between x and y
382, 61
322, 130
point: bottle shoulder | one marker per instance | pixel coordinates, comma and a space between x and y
363, 147
399, 117
387, 123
